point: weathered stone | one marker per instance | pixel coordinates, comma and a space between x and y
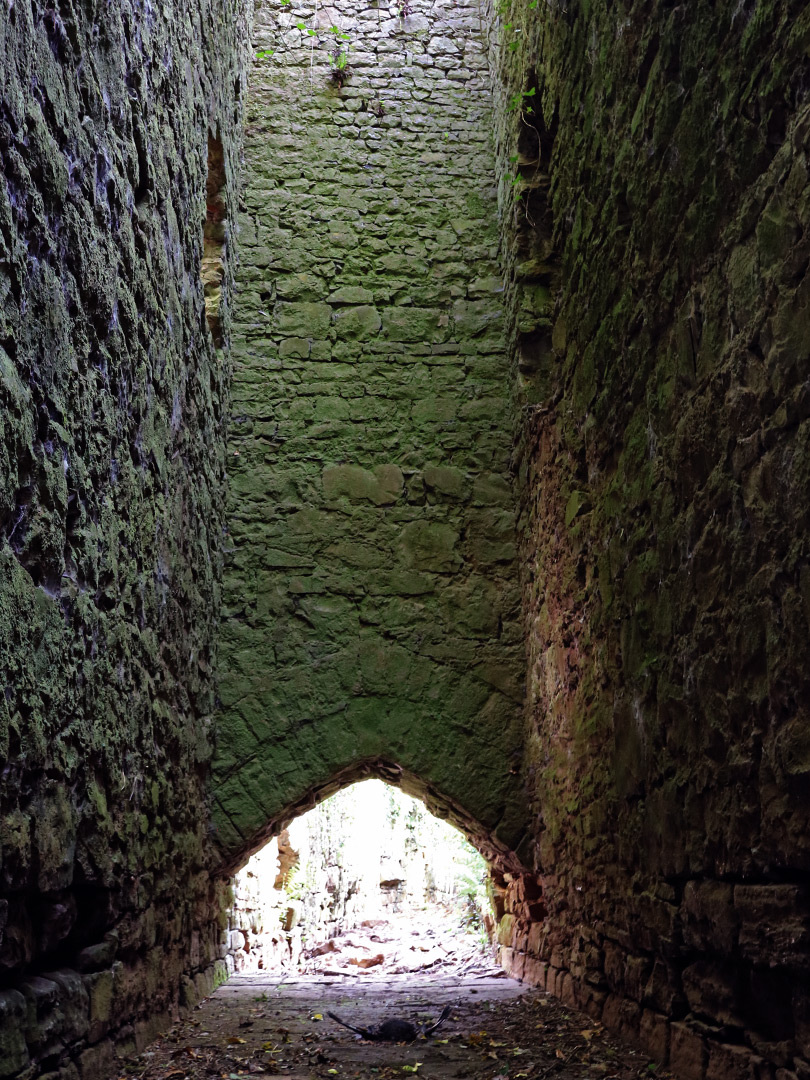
303, 320
732, 1063
774, 924
72, 1001
430, 546
98, 1062
44, 1022
381, 487
96, 957
687, 1052
100, 987
653, 1034
13, 1051
710, 920
714, 992
358, 323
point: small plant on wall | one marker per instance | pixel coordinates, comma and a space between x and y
339, 57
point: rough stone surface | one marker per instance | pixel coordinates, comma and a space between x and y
371, 597
653, 174
634, 309
113, 403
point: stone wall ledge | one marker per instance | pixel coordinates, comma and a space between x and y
65, 1021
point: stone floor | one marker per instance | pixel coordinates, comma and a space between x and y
267, 1025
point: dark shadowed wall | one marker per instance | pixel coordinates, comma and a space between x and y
113, 404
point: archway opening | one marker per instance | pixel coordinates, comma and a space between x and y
369, 881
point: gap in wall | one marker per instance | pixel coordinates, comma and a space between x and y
368, 881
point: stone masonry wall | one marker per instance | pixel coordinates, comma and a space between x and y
113, 404
372, 604
657, 296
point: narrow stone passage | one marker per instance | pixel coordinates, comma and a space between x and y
265, 1025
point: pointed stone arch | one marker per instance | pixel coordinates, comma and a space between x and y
494, 830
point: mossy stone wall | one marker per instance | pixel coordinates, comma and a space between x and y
664, 468
371, 596
113, 405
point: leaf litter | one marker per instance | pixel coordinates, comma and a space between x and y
274, 1024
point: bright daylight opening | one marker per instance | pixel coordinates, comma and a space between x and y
369, 881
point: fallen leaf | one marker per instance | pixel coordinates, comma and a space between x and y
412, 1068
235, 1040
316, 1016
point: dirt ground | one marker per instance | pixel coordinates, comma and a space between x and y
276, 1024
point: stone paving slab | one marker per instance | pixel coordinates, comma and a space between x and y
269, 1025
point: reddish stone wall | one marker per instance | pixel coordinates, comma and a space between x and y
658, 297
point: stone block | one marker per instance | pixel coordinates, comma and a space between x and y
537, 932
636, 976
67, 1072
358, 323
73, 1002
728, 1062
295, 348
534, 972
147, 1030
714, 992
506, 929
13, 1050
97, 957
568, 991
44, 1022
622, 1016
54, 837
774, 924
592, 1001
427, 545
709, 918
472, 318
382, 487
687, 1052
98, 1062
410, 324
188, 993
663, 990
204, 983
100, 988
303, 320
351, 294
653, 1035
445, 480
